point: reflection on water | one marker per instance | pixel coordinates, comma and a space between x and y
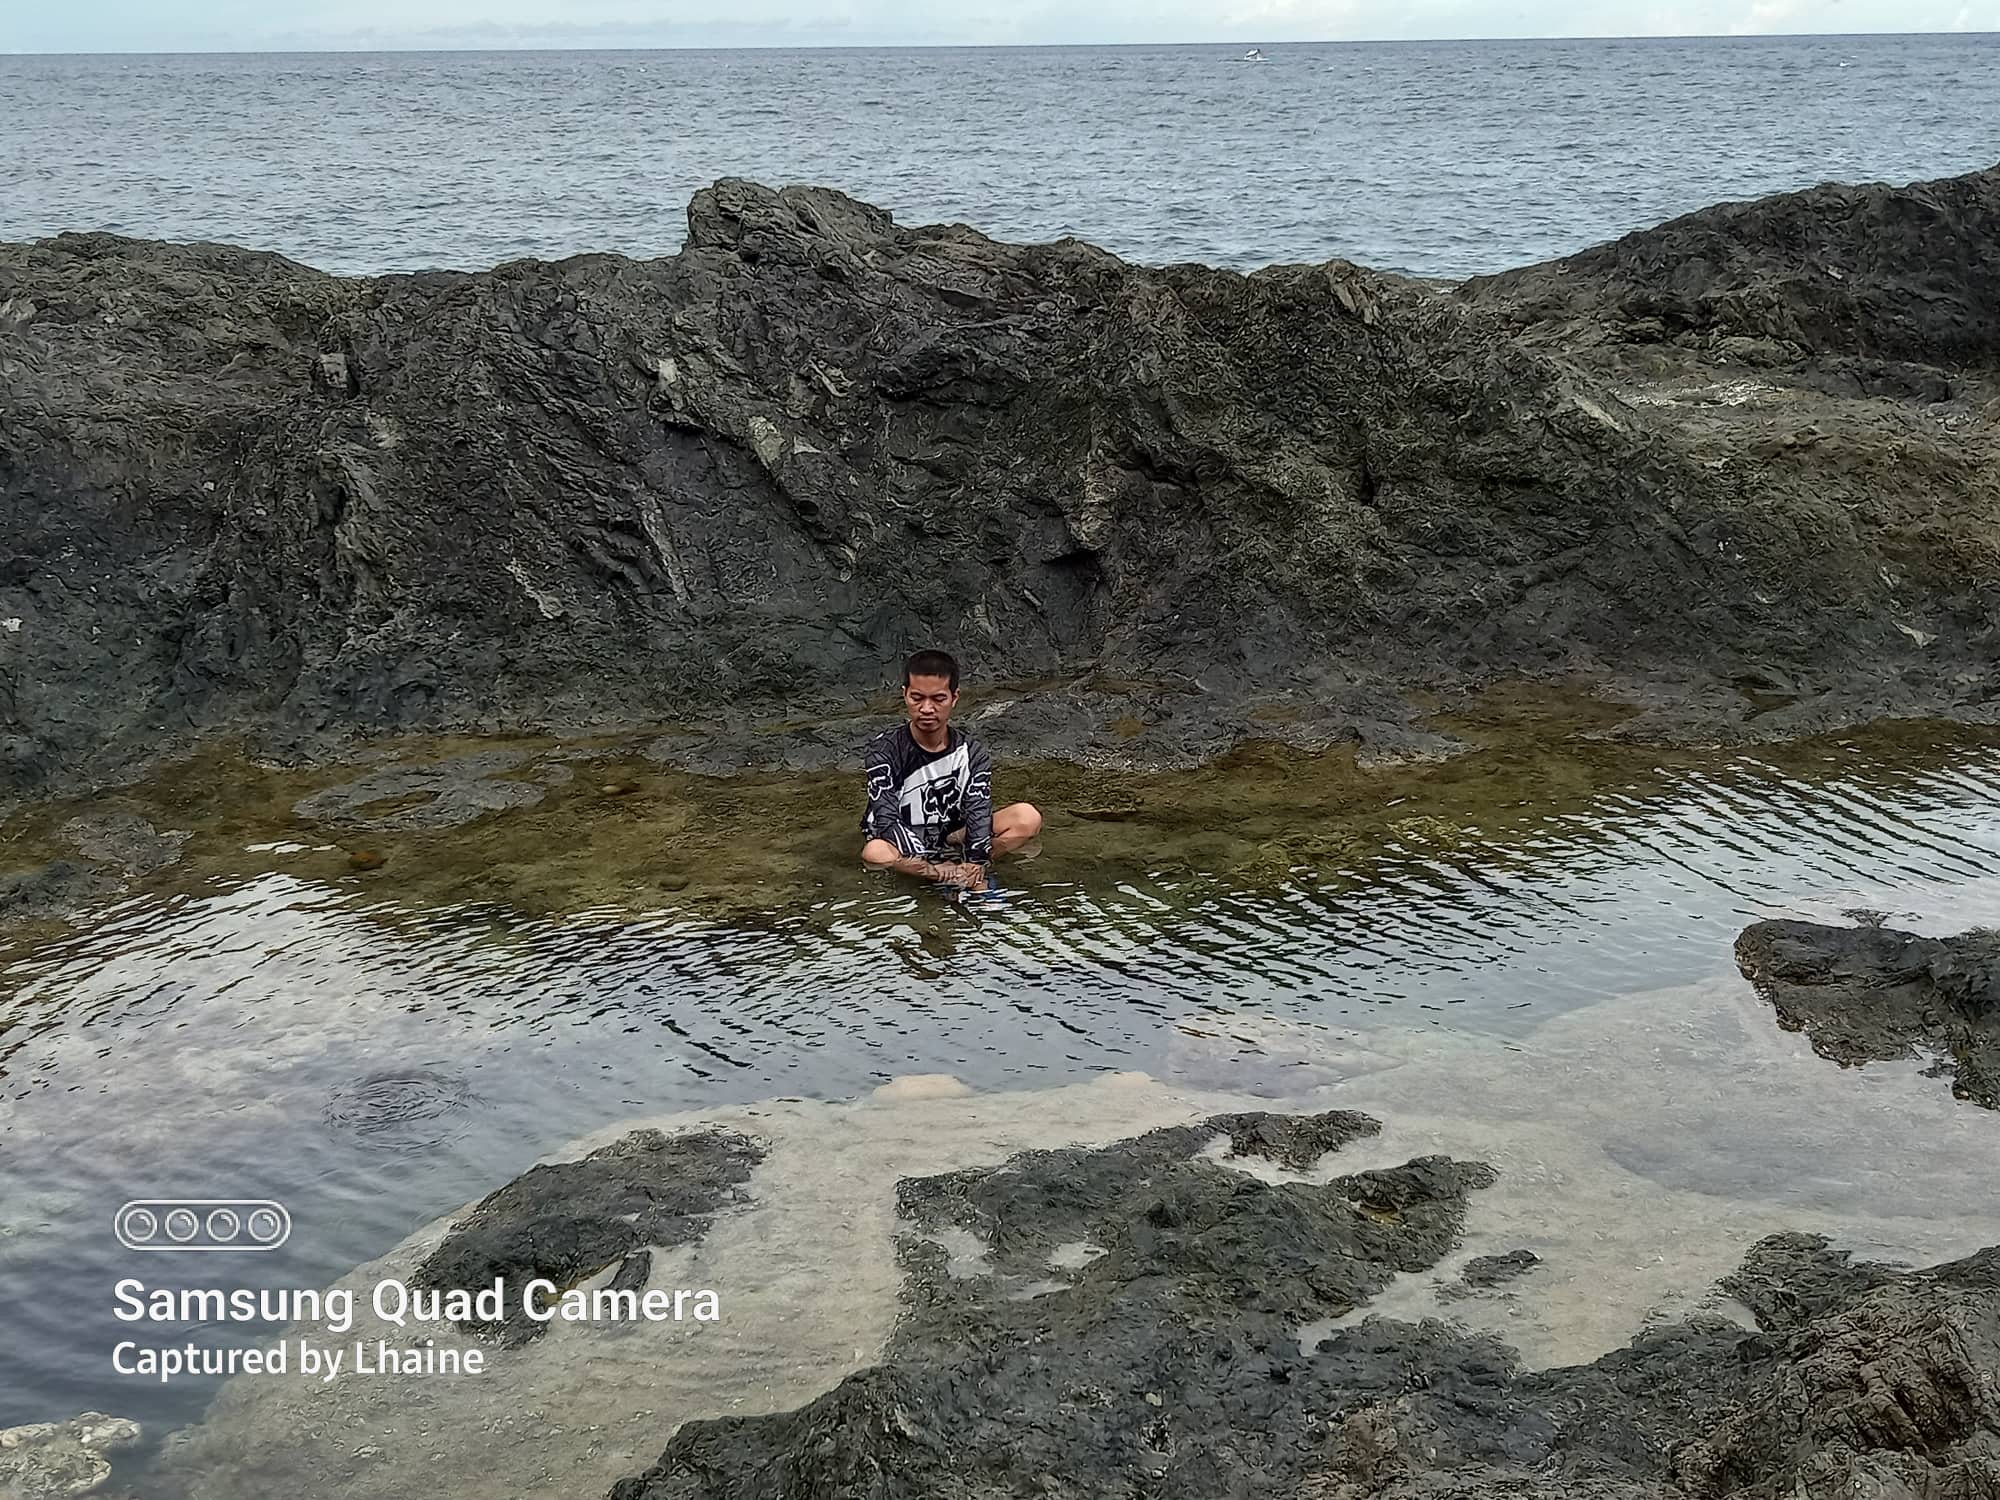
374, 1048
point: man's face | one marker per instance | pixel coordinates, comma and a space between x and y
929, 701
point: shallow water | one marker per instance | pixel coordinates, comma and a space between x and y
374, 1048
1768, 1138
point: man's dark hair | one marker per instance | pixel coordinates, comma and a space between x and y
932, 664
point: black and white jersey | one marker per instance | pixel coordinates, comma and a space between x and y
918, 798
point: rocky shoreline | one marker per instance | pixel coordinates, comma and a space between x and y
1738, 472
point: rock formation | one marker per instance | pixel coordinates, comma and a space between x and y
1140, 1319
1871, 992
1744, 450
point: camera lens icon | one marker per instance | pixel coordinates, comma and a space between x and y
268, 1226
139, 1224
202, 1224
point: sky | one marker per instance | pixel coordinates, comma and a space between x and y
259, 25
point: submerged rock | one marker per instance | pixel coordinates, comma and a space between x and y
124, 839
1125, 1320
58, 889
55, 1460
1013, 1314
1109, 1320
444, 794
568, 1220
1485, 1273
602, 491
1870, 993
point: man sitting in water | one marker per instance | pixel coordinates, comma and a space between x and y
930, 789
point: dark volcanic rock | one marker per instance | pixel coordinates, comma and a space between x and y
1131, 1324
1870, 992
1884, 273
1131, 1327
569, 1220
237, 493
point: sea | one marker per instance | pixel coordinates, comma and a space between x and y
1443, 159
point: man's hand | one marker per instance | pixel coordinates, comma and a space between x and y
965, 877
943, 872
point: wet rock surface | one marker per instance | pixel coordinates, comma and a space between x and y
568, 1220
240, 495
1128, 1325
55, 1460
1870, 992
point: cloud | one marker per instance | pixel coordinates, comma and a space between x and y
143, 25
1326, 19
1766, 16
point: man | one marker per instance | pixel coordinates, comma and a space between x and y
930, 789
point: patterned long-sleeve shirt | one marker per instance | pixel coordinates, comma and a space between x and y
918, 798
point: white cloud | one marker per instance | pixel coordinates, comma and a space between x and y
141, 25
1326, 19
1766, 16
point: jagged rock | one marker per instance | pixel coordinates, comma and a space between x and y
1165, 1363
239, 494
1871, 992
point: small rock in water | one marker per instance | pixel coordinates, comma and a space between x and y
674, 882
54, 1460
619, 788
1485, 1272
366, 859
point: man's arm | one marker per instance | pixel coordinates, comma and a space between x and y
884, 817
884, 821
978, 810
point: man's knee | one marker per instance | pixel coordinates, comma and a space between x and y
880, 853
1014, 825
